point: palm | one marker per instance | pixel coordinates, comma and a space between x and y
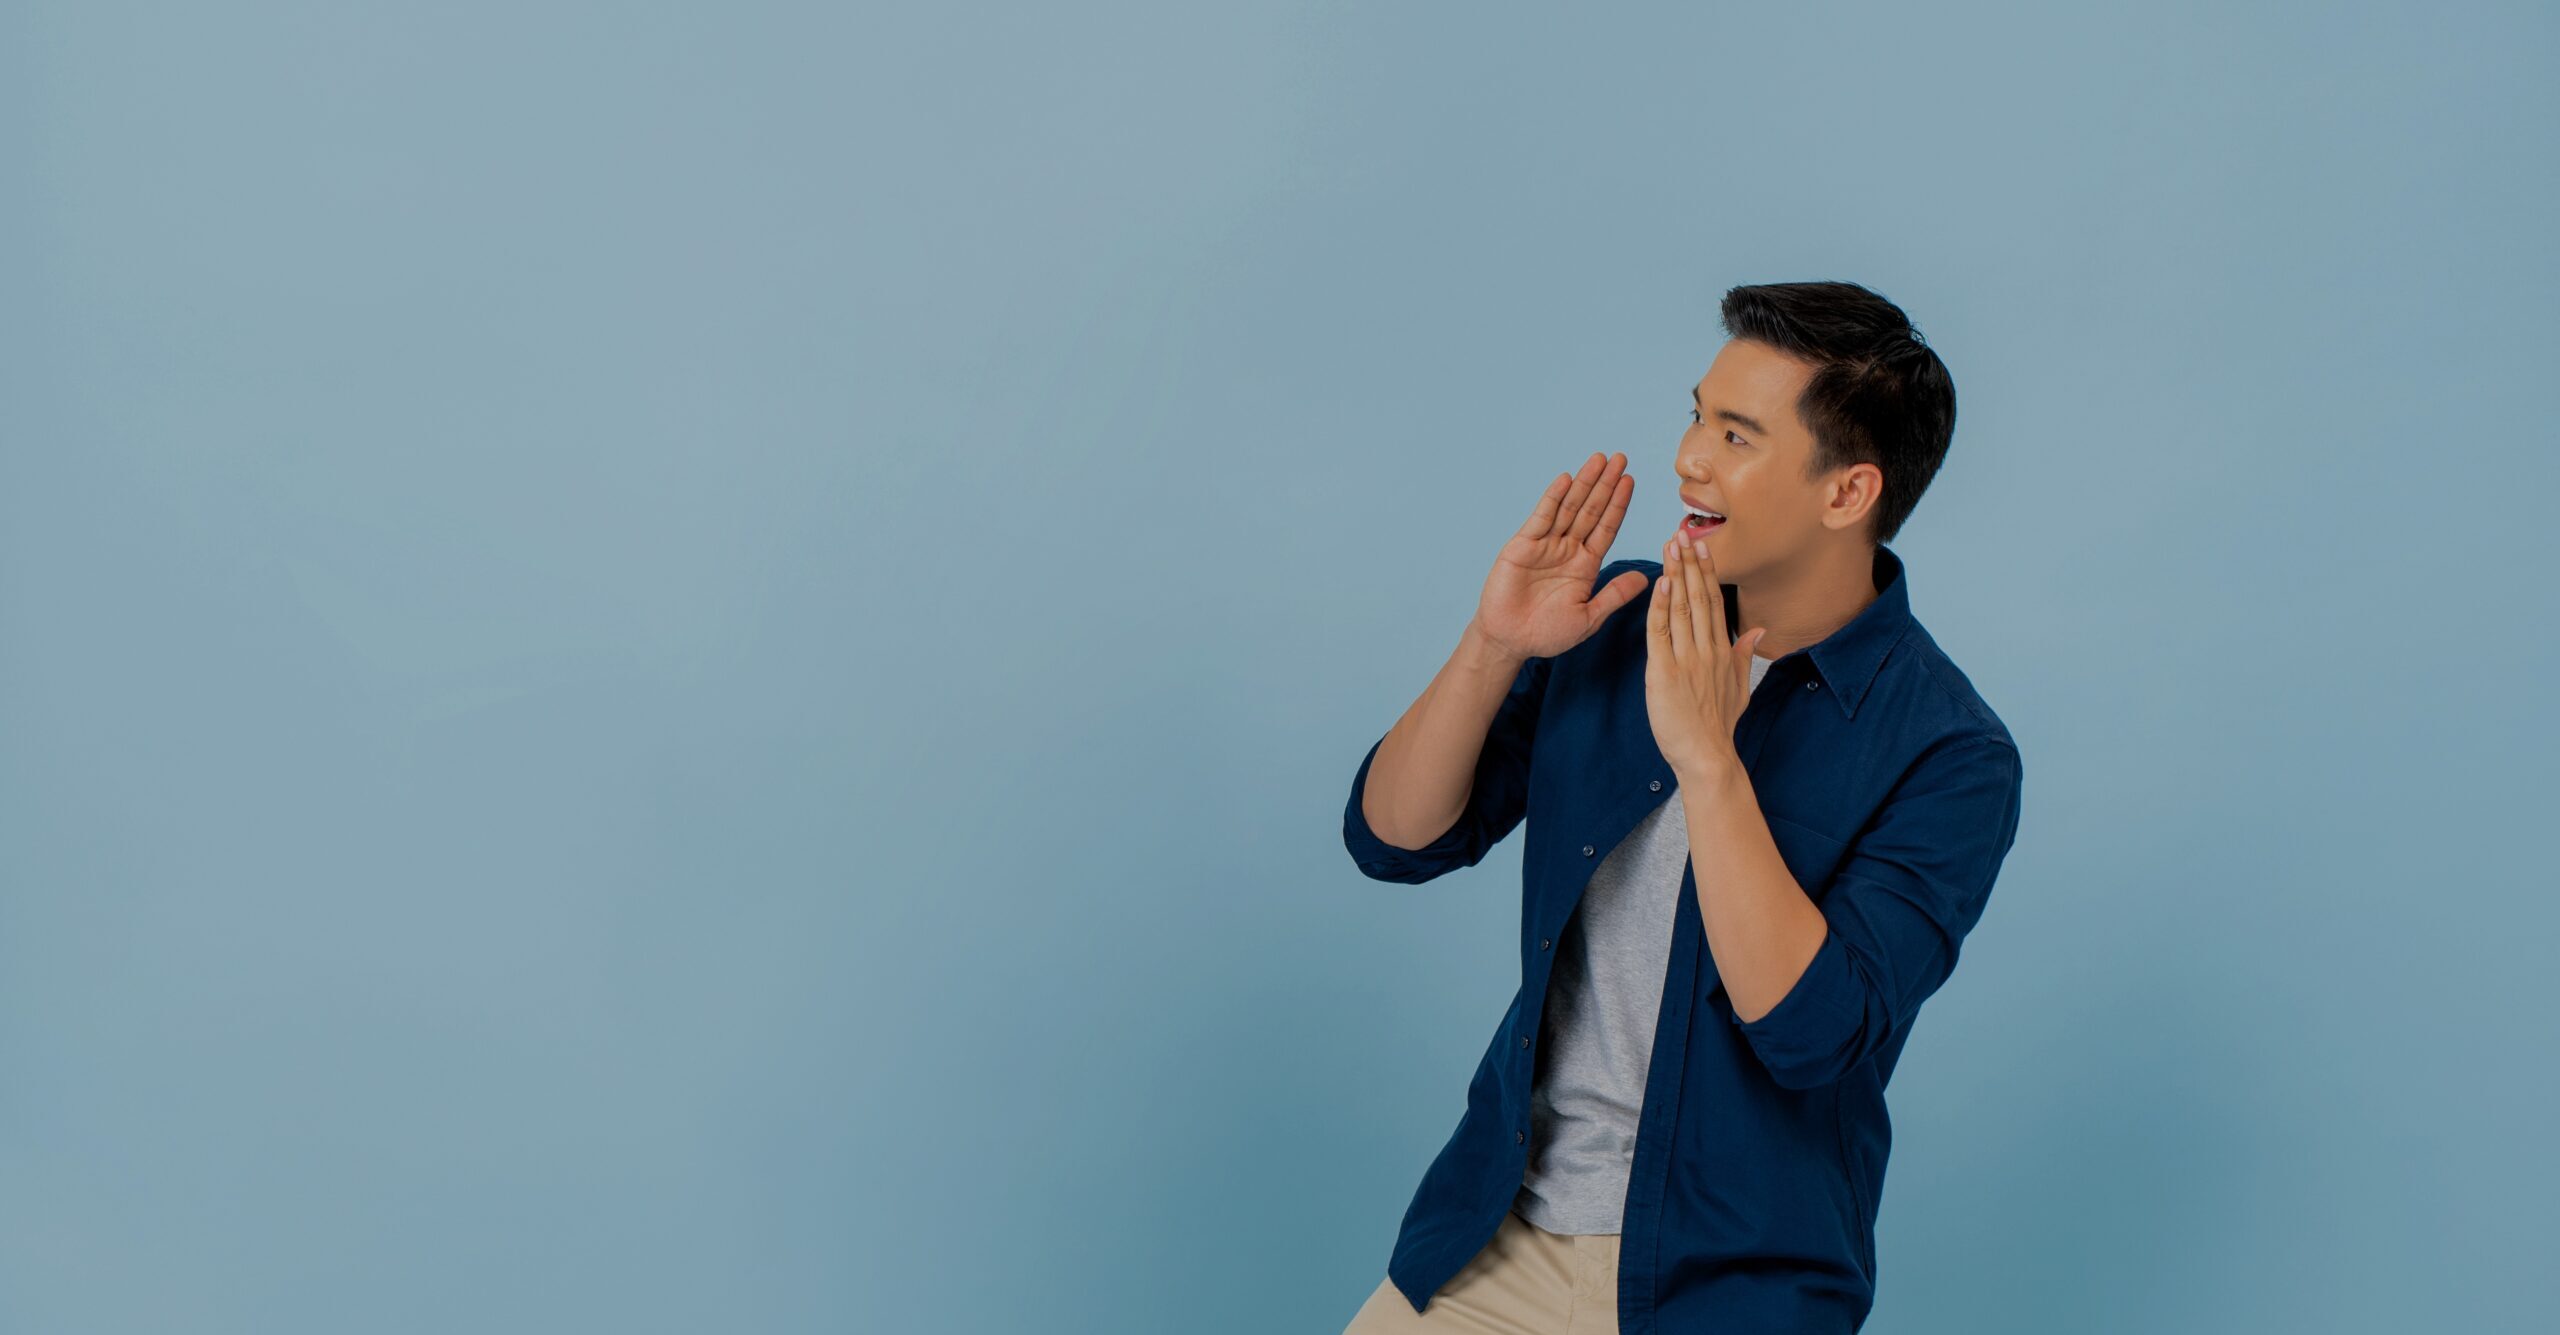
1538, 601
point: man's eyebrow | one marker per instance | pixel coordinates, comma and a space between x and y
1729, 415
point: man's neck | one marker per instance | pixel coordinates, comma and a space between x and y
1803, 605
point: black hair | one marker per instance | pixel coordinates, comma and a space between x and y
1878, 394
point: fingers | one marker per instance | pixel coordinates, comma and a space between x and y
1715, 595
1542, 520
1657, 614
1706, 601
1606, 531
1586, 505
1606, 495
1561, 518
1681, 632
1615, 594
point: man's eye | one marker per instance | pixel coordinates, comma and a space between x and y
1702, 421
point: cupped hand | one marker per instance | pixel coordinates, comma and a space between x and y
1538, 602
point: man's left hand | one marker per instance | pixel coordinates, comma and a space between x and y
1695, 681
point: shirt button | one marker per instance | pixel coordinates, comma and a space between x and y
1519, 1137
1586, 850
1543, 943
1813, 686
1524, 1040
1657, 785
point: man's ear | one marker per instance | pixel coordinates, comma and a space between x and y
1855, 493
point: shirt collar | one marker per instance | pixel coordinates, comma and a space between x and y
1848, 658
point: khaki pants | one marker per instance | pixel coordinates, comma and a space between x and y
1526, 1281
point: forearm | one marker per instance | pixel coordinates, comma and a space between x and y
1762, 930
1425, 767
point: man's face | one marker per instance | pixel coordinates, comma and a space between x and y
1744, 456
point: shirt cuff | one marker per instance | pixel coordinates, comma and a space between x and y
1383, 861
1810, 1024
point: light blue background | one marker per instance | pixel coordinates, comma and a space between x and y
687, 668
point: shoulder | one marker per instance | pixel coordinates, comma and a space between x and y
1932, 690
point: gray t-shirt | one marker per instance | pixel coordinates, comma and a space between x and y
1602, 999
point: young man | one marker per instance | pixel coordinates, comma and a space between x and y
1763, 810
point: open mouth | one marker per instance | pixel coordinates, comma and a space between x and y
1698, 521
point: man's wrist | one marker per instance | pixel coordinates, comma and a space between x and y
1481, 652
1716, 774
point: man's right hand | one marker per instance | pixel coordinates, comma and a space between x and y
1538, 602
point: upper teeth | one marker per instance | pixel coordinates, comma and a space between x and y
1697, 510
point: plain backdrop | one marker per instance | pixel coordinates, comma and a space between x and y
693, 668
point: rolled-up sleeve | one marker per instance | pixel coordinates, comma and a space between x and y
1899, 906
1495, 804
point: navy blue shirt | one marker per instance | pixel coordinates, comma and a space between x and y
1892, 791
